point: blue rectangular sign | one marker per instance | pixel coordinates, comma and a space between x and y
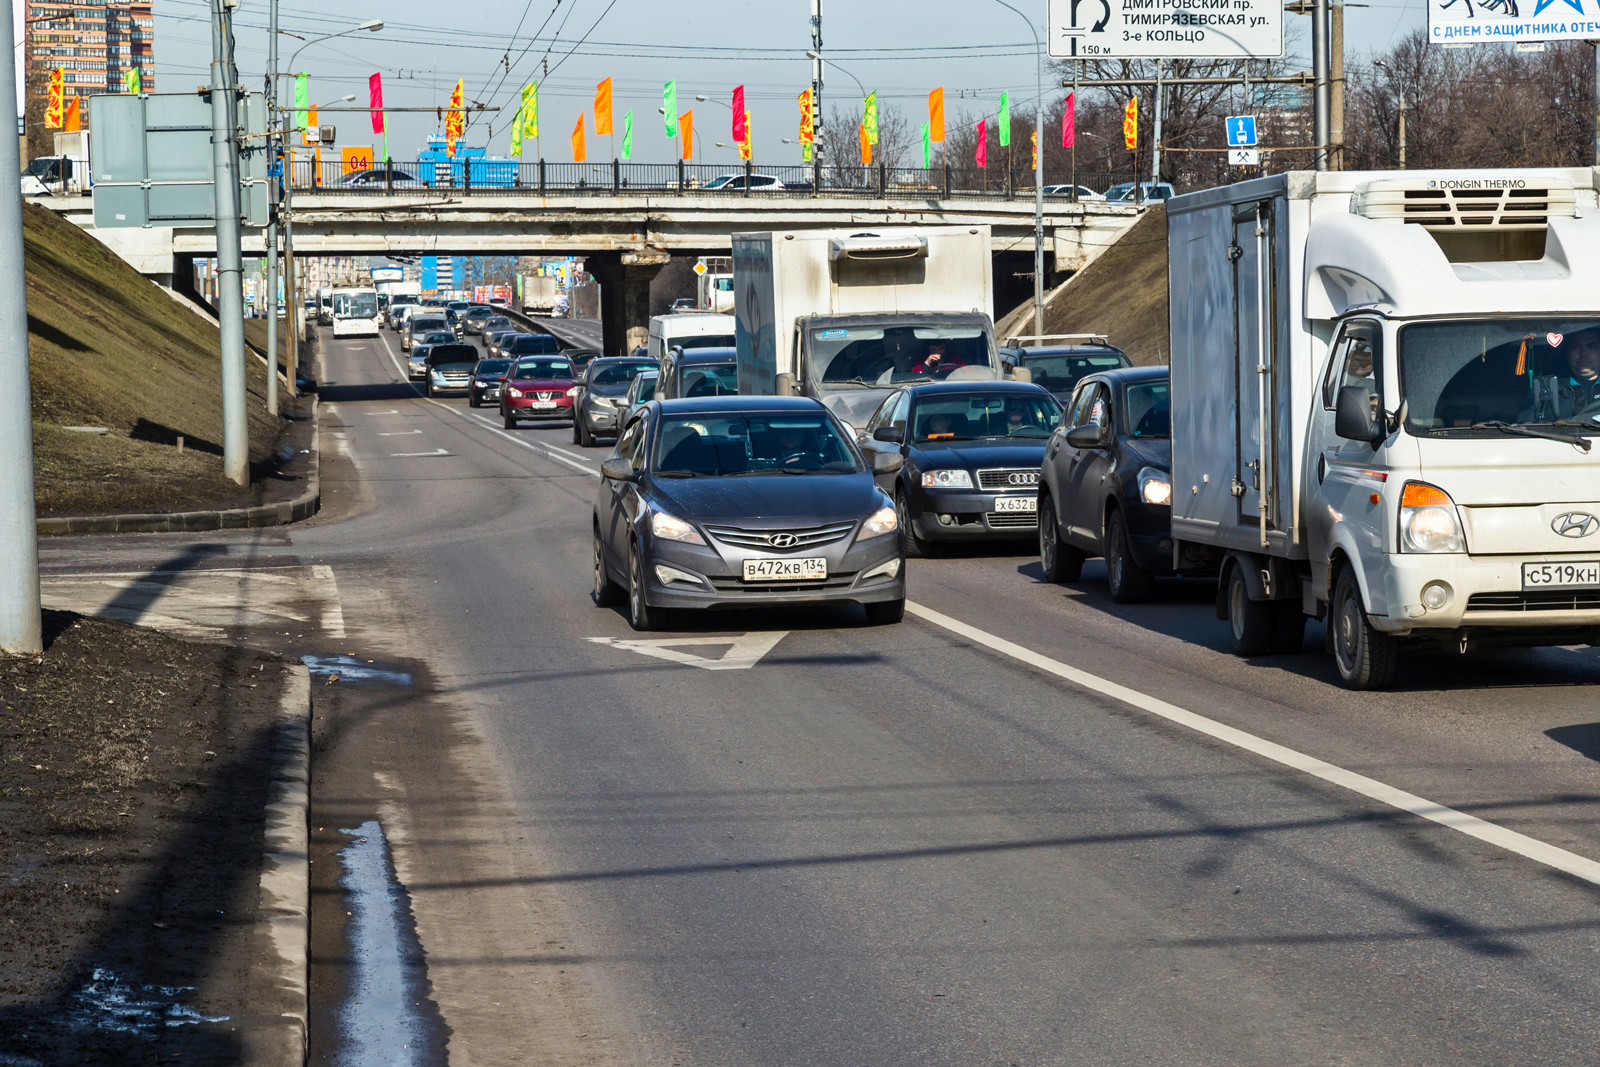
1242, 131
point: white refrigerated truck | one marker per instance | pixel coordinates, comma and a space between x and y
1384, 390
849, 315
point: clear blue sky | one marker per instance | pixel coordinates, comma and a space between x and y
902, 48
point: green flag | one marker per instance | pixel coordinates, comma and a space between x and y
869, 116
1005, 119
530, 110
302, 99
927, 147
669, 105
386, 142
130, 80
516, 134
627, 135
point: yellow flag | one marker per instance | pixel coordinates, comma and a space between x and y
744, 145
1130, 123
53, 110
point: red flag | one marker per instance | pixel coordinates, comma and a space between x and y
375, 91
983, 142
738, 114
1069, 122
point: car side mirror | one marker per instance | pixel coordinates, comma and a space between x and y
1352, 416
618, 470
887, 462
1022, 374
892, 434
1090, 436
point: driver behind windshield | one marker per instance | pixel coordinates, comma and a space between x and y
1563, 396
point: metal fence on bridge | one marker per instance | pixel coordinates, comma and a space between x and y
475, 176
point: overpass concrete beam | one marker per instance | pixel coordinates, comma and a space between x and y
625, 279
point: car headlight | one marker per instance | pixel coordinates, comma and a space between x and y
604, 401
883, 521
573, 391
1428, 520
673, 528
513, 391
436, 376
946, 480
1155, 487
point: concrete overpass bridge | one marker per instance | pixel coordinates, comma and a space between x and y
625, 236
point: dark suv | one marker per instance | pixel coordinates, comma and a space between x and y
1059, 368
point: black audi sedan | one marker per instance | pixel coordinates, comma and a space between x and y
1106, 484
971, 453
744, 501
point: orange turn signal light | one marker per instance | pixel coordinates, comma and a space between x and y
1418, 495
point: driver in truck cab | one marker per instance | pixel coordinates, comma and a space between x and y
1564, 397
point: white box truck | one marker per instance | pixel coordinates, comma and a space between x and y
848, 315
1385, 386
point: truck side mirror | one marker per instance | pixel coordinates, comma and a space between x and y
892, 434
1352, 416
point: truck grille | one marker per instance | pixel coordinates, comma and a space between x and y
1009, 478
782, 540
1546, 600
1013, 520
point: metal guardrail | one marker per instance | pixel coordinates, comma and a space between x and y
494, 177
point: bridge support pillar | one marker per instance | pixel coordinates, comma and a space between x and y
625, 279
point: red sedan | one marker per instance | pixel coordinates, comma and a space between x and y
536, 388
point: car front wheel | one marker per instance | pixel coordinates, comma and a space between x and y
885, 612
916, 547
509, 419
607, 594
640, 615
1129, 583
1061, 562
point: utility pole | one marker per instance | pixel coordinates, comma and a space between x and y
1319, 72
272, 215
21, 630
818, 140
1155, 146
1336, 73
1402, 131
230, 288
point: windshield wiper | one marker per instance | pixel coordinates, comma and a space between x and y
1523, 431
683, 474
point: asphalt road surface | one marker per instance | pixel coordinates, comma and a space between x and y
1026, 826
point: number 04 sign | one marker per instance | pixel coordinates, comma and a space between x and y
355, 158
1166, 29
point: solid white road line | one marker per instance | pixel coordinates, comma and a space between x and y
1471, 825
409, 455
400, 433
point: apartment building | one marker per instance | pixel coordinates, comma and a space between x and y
93, 42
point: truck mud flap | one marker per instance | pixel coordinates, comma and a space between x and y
1265, 578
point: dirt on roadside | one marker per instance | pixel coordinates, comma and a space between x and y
134, 773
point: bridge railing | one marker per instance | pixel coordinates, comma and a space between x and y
496, 177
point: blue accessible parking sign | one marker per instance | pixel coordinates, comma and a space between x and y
1242, 131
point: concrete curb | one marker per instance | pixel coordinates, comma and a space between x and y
302, 507
285, 910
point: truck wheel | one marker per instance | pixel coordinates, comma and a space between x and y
1249, 621
1129, 583
1060, 561
916, 547
1364, 654
1288, 628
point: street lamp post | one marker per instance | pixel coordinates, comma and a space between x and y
1038, 178
230, 266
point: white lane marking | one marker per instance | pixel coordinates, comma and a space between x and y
540, 449
1492, 833
550, 448
399, 433
409, 455
333, 607
744, 651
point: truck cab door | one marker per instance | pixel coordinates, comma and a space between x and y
1255, 332
1343, 475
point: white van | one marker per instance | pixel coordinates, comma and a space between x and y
689, 329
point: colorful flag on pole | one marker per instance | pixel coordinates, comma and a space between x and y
302, 99
866, 147
738, 115
627, 135
1069, 122
375, 101
516, 134
1130, 123
73, 122
936, 114
685, 126
808, 127
530, 110
53, 112
311, 124
669, 106
981, 157
869, 116
805, 153
1033, 138
455, 121
602, 108
1003, 120
131, 82
578, 154
744, 145
927, 147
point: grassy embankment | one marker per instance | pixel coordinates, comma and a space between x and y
109, 348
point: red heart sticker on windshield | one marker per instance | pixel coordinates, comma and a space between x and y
1555, 339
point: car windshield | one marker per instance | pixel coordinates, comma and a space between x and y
535, 344
358, 305
440, 337
1149, 409
543, 368
479, 312
618, 373
876, 355
703, 340
1459, 376
421, 325
712, 446
440, 355
1060, 373
492, 366
711, 379
967, 416
497, 321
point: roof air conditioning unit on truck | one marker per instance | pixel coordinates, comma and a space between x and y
1385, 388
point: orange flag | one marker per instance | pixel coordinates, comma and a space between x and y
1130, 123
936, 114
53, 109
602, 107
866, 147
686, 128
73, 121
455, 122
577, 141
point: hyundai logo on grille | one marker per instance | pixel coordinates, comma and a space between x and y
1025, 478
1575, 524
782, 540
